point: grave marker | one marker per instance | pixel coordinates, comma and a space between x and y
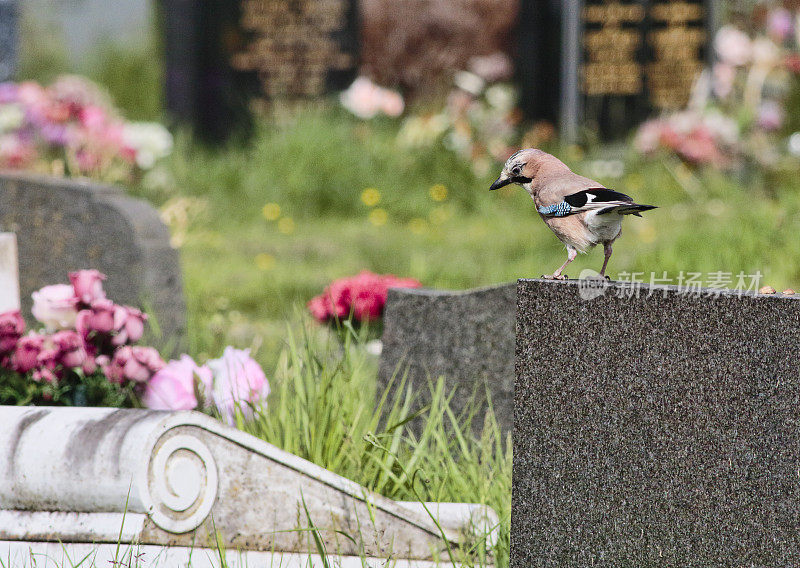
9, 273
655, 427
227, 58
182, 483
466, 336
9, 39
606, 65
66, 225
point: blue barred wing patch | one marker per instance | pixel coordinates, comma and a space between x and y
558, 210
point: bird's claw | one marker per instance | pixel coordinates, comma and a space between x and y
554, 277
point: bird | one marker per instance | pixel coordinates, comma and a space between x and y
580, 211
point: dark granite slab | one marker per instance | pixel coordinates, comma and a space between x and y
655, 431
65, 225
465, 336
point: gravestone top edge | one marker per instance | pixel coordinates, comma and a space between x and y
435, 292
662, 289
80, 184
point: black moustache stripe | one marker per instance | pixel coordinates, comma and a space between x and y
522, 179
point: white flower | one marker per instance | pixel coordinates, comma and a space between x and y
501, 97
366, 100
54, 306
11, 117
733, 46
149, 140
469, 82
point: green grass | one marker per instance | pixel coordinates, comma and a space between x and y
245, 277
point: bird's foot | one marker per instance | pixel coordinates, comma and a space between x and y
554, 276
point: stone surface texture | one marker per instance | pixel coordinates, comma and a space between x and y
65, 225
465, 336
179, 478
655, 429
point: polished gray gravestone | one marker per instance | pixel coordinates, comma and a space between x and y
9, 34
655, 429
66, 225
466, 336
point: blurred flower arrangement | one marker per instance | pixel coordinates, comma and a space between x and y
367, 100
479, 121
70, 128
361, 297
741, 111
85, 354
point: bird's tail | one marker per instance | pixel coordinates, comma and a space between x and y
627, 209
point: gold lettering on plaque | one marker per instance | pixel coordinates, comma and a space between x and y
291, 48
611, 67
676, 46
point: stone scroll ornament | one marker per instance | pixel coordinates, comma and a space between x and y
183, 480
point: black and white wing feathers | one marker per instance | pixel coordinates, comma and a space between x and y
599, 200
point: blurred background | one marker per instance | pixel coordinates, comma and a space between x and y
287, 143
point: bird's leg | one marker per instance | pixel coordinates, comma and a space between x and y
571, 254
607, 251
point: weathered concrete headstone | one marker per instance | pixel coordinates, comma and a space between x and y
77, 476
9, 273
9, 39
67, 225
655, 428
467, 337
615, 61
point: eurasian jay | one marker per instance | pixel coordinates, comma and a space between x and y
580, 211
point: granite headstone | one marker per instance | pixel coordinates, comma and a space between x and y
66, 225
466, 337
655, 428
226, 58
607, 65
9, 39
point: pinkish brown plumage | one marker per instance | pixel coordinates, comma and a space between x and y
580, 211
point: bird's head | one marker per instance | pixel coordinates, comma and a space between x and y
521, 168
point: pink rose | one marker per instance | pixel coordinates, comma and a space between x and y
135, 364
99, 317
26, 355
71, 352
173, 387
54, 306
239, 382
44, 374
88, 285
128, 325
12, 326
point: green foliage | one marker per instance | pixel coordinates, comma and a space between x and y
73, 389
325, 408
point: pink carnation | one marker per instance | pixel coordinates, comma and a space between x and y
173, 387
136, 364
88, 285
12, 326
363, 296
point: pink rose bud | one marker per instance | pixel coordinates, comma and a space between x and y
26, 355
98, 318
128, 324
135, 364
71, 352
12, 326
88, 285
54, 306
239, 382
173, 387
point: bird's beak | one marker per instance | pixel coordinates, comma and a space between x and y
500, 182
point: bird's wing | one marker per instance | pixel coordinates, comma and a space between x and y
597, 199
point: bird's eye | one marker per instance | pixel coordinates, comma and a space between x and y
516, 170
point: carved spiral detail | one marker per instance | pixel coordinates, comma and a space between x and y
182, 483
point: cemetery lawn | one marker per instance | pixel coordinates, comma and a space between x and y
265, 226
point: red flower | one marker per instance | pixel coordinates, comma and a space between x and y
363, 296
